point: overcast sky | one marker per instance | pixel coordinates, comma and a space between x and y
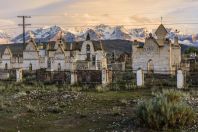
90, 12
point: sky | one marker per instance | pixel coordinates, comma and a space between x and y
77, 13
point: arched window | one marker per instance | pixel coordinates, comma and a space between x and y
6, 66
88, 48
30, 67
88, 53
150, 66
59, 67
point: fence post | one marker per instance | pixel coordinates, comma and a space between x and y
140, 78
104, 76
180, 79
73, 77
19, 75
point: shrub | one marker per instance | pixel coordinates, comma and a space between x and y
1, 103
116, 111
101, 88
30, 108
166, 110
54, 109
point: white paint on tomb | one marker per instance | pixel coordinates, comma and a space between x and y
158, 54
140, 78
19, 75
56, 56
180, 79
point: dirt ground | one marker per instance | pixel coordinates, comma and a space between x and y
55, 109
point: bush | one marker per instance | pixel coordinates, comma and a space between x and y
166, 110
30, 108
1, 103
102, 89
116, 111
54, 109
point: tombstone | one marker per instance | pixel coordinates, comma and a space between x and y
140, 78
19, 75
104, 76
73, 77
180, 79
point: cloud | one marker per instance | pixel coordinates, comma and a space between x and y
140, 19
82, 12
6, 22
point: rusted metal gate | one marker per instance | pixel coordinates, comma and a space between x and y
89, 76
54, 76
123, 79
160, 80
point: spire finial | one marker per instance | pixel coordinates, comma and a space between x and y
161, 19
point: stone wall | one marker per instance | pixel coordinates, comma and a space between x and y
158, 56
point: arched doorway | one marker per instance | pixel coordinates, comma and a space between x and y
150, 66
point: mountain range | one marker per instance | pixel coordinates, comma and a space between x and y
99, 32
4, 37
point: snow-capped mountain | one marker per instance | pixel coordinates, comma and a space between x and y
4, 37
46, 34
102, 32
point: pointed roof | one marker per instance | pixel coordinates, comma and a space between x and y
32, 41
161, 31
8, 49
88, 37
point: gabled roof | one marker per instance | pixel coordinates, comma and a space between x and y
161, 31
34, 44
61, 48
16, 49
119, 46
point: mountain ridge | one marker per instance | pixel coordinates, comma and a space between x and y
98, 32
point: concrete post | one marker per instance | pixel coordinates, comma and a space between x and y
104, 76
73, 77
140, 78
19, 75
180, 79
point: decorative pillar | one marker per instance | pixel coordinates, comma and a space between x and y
73, 77
140, 78
19, 75
180, 79
104, 76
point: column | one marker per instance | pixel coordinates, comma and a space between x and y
180, 79
73, 77
140, 78
19, 75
